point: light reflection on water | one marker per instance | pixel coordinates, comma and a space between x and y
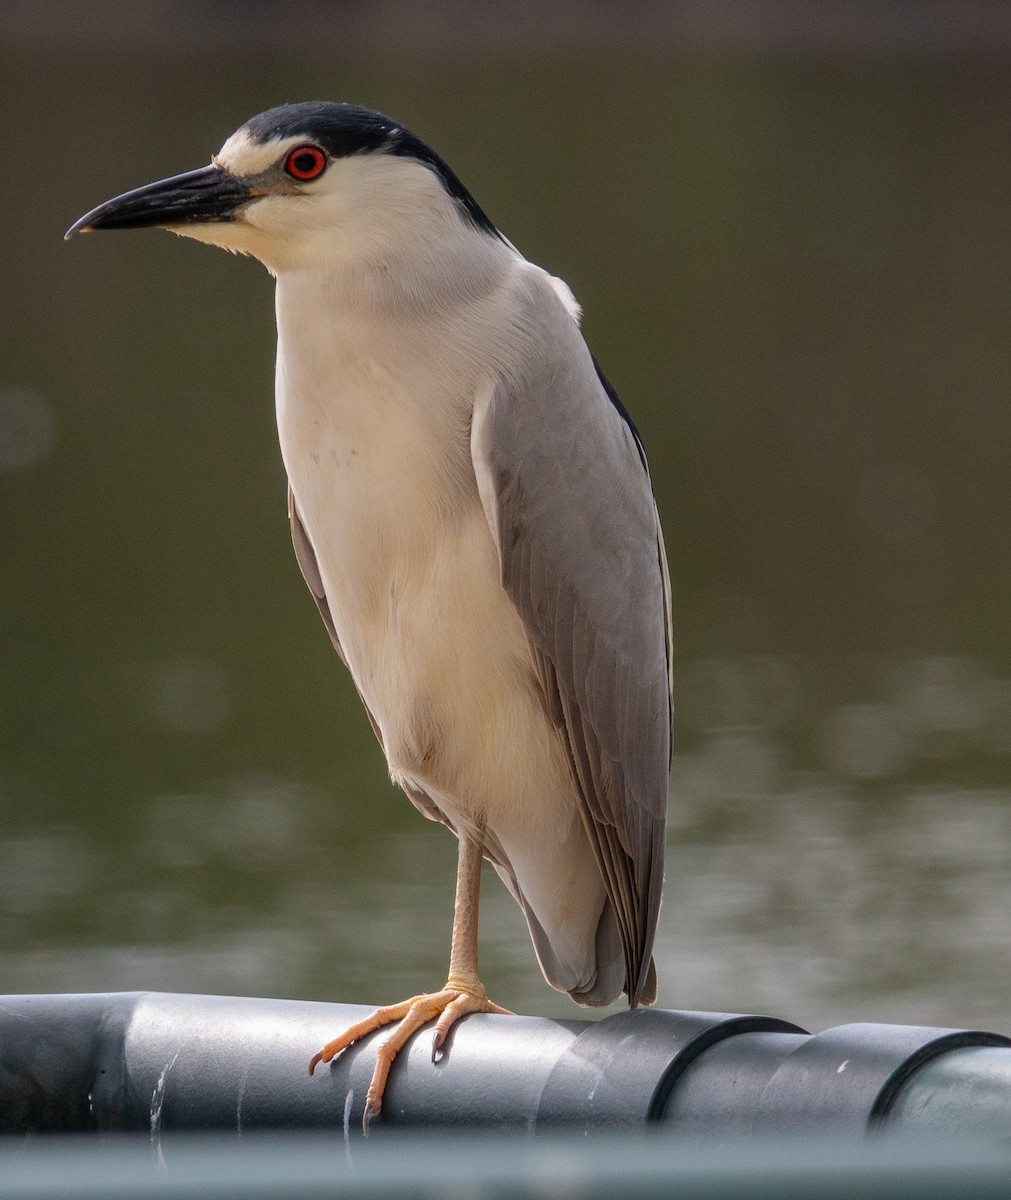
27, 428
820, 892
796, 274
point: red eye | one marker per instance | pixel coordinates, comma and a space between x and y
305, 162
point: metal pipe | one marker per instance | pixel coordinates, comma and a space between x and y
506, 1166
155, 1062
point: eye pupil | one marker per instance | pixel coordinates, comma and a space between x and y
307, 162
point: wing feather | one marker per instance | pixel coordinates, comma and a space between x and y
566, 489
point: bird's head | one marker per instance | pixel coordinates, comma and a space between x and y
303, 185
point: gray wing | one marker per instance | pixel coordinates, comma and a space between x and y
566, 489
306, 556
309, 567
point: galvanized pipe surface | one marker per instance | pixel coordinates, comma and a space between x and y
158, 1063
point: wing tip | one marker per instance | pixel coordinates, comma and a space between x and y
645, 991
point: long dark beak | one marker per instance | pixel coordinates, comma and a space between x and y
208, 194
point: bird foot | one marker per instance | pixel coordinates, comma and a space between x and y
456, 1000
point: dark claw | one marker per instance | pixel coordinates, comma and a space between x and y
438, 1041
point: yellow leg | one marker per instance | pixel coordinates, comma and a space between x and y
464, 992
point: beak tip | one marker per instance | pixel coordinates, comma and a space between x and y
206, 194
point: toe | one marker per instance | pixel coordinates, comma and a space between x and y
445, 1008
376, 1020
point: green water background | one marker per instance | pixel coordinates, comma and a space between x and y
796, 270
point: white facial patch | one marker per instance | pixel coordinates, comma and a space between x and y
243, 157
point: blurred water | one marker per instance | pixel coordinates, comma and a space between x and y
797, 275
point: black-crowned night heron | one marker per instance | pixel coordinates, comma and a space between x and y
471, 509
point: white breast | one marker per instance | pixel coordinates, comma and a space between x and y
375, 436
374, 419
